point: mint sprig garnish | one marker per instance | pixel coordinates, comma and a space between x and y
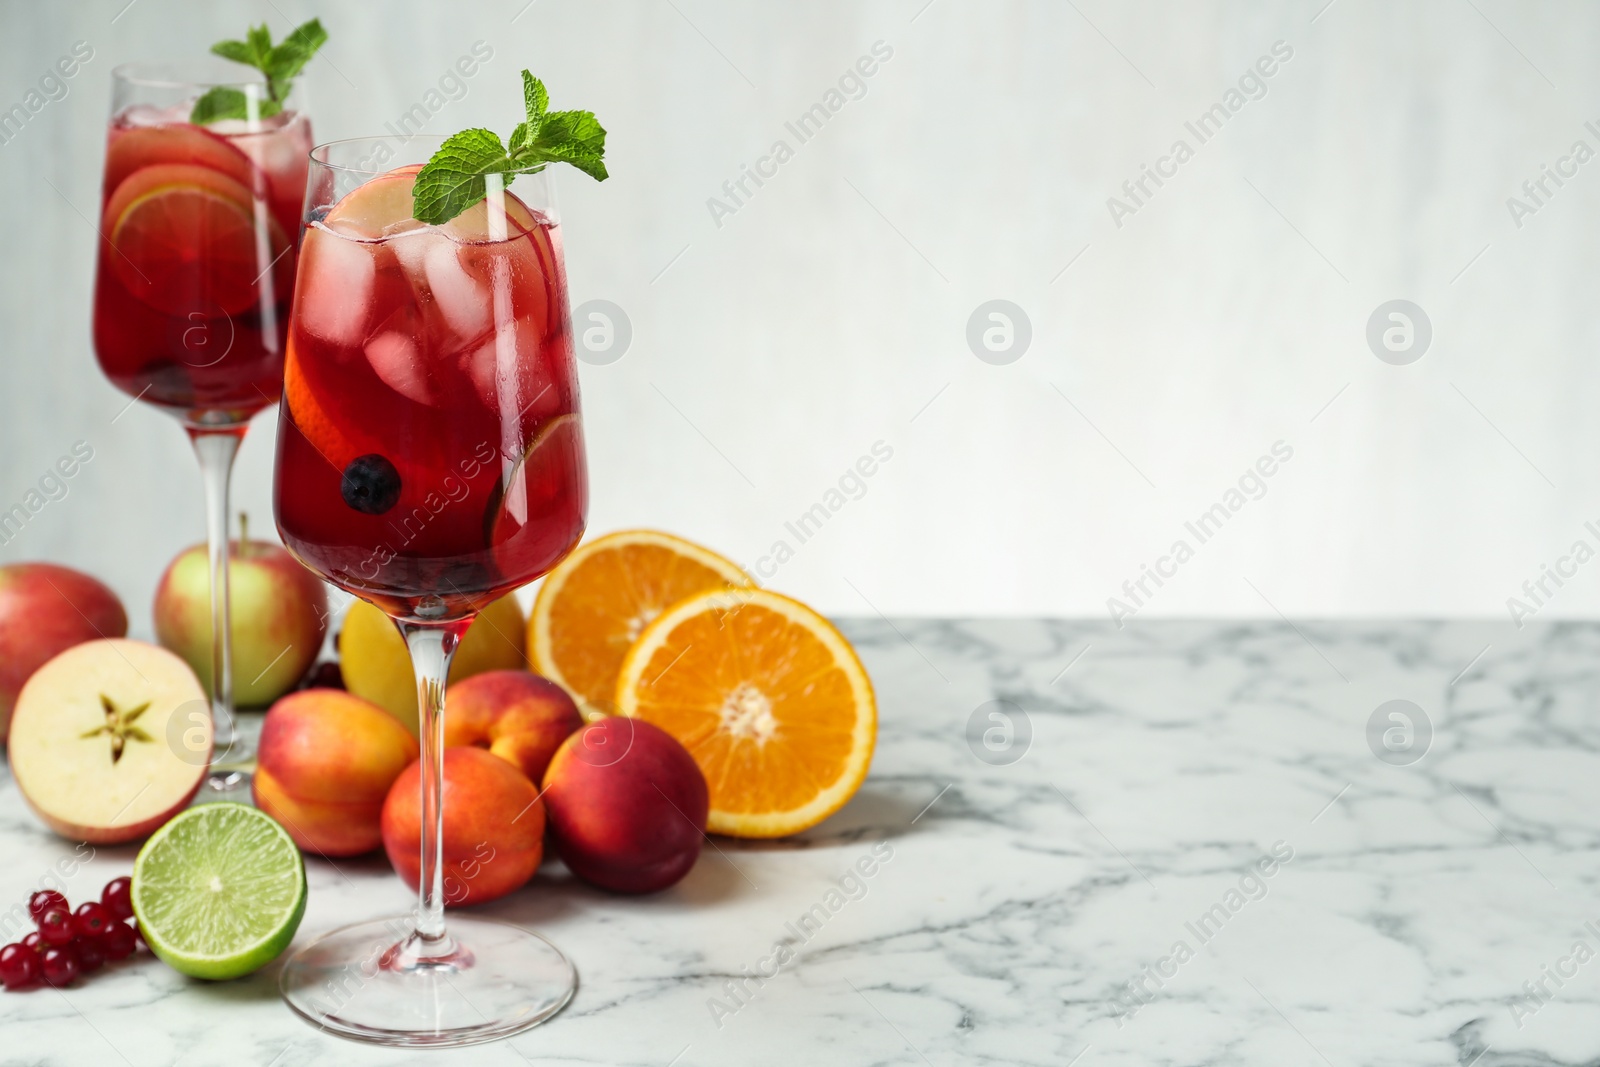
280, 63
453, 179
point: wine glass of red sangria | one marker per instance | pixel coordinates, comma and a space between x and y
430, 460
198, 224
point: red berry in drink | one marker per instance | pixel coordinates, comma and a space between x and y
43, 901
117, 899
90, 920
56, 927
118, 942
59, 965
19, 966
35, 942
91, 953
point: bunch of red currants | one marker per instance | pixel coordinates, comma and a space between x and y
67, 942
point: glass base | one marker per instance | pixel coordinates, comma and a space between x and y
372, 982
219, 780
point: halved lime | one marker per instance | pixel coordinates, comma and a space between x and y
219, 890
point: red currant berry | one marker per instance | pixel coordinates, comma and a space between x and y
19, 966
91, 953
59, 965
118, 942
90, 920
34, 941
116, 898
55, 926
43, 901
138, 934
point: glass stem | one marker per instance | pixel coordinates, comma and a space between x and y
217, 449
433, 646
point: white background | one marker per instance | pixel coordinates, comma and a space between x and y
830, 311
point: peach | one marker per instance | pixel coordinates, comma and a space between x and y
517, 715
493, 826
627, 805
45, 610
325, 764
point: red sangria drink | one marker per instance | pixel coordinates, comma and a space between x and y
430, 460
197, 252
430, 455
197, 259
205, 178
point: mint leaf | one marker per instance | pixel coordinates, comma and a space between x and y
225, 102
289, 58
574, 137
534, 99
260, 39
520, 138
238, 51
453, 180
280, 65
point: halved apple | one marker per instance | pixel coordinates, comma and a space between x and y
110, 739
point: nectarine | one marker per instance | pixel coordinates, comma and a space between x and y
493, 826
627, 805
325, 764
517, 715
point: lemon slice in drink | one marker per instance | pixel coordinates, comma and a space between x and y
219, 891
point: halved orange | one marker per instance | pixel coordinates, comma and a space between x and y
594, 605
767, 696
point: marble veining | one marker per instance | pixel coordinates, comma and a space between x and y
1198, 858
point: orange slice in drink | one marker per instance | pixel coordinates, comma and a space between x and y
767, 696
316, 425
186, 241
594, 605
146, 146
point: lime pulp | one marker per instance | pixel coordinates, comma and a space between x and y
219, 890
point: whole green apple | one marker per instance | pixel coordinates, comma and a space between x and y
278, 608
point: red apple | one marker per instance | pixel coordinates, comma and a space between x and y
45, 610
518, 715
279, 613
493, 826
110, 739
627, 805
324, 766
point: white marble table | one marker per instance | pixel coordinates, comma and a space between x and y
1020, 901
